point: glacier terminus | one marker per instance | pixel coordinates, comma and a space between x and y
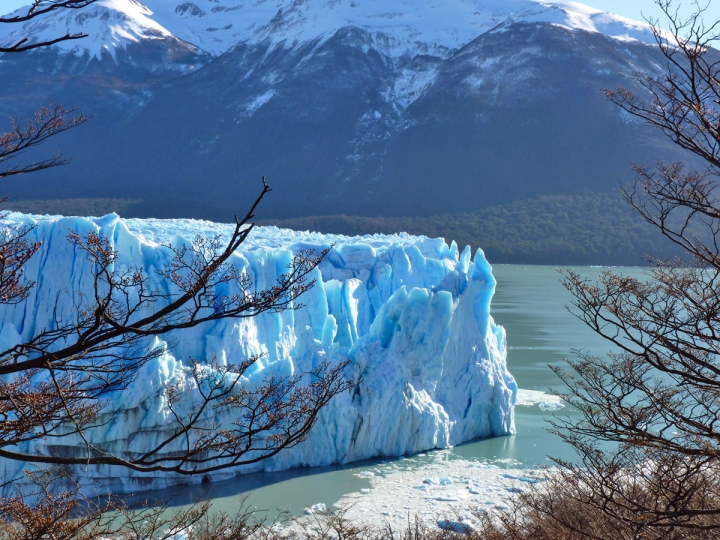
410, 314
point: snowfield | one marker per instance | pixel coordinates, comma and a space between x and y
410, 314
397, 27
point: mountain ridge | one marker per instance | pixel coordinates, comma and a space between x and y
343, 124
214, 26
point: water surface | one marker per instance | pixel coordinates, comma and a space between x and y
532, 305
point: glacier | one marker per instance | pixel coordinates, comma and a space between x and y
410, 314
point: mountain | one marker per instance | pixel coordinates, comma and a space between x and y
398, 26
357, 107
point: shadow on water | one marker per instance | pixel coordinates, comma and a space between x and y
264, 487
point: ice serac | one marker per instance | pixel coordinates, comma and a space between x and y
411, 314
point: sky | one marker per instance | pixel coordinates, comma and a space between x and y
636, 9
633, 9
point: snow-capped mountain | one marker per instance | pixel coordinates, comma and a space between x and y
361, 107
396, 27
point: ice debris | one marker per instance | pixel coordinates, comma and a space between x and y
454, 526
550, 405
441, 481
546, 402
318, 508
477, 487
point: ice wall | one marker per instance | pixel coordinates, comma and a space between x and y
410, 313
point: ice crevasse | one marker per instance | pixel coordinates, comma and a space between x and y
410, 314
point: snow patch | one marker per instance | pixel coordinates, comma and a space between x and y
252, 107
409, 86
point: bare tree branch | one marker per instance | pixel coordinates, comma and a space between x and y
47, 122
36, 9
648, 435
56, 383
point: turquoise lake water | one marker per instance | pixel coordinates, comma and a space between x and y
531, 303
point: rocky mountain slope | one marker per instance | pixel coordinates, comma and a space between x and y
362, 107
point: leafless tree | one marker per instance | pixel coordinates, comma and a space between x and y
66, 514
648, 433
15, 250
56, 385
47, 122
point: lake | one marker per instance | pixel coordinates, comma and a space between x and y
531, 303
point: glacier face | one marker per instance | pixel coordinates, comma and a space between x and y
411, 315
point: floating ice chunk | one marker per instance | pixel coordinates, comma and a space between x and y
546, 402
530, 479
508, 461
454, 526
365, 490
438, 481
551, 405
483, 466
473, 489
365, 474
318, 508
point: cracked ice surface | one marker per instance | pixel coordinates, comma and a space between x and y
411, 314
442, 493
